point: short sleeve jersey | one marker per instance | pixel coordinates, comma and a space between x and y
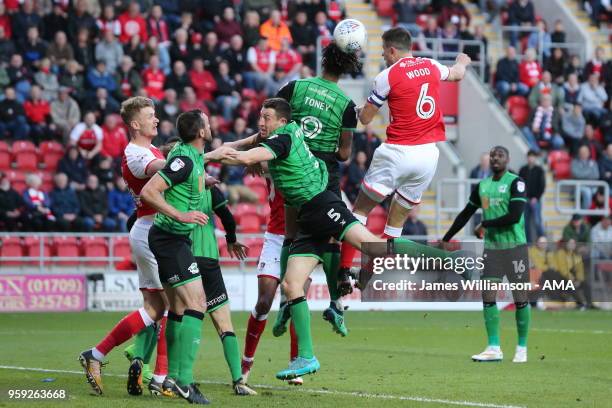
203, 239
134, 165
411, 87
321, 109
494, 197
295, 171
184, 173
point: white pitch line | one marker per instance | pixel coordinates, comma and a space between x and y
304, 390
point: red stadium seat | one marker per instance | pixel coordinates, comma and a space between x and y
11, 246
32, 245
250, 223
242, 209
562, 171
224, 254
17, 179
67, 247
518, 109
26, 160
385, 8
94, 247
557, 156
255, 245
121, 249
23, 146
50, 154
5, 156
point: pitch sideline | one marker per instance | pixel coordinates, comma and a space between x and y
303, 390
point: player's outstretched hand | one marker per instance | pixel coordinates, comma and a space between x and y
463, 59
193, 217
479, 231
223, 152
237, 250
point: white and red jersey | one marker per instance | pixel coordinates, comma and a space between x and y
86, 137
411, 87
276, 224
134, 164
263, 59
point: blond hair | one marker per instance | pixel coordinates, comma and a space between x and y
130, 107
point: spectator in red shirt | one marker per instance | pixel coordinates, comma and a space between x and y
108, 21
530, 71
5, 21
190, 101
133, 23
38, 113
87, 136
153, 79
289, 61
227, 27
202, 81
114, 138
158, 27
262, 61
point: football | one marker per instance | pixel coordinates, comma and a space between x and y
350, 35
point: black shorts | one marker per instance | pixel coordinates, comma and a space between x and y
176, 264
214, 286
321, 218
512, 263
333, 170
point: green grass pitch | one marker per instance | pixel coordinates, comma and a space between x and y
414, 359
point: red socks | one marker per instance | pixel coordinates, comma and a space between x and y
294, 343
254, 330
347, 254
161, 363
122, 332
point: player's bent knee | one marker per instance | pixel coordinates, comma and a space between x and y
263, 306
404, 204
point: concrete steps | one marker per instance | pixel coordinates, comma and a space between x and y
599, 37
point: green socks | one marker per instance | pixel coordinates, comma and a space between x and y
173, 332
284, 257
523, 318
300, 315
331, 263
191, 335
414, 249
491, 318
142, 341
232, 354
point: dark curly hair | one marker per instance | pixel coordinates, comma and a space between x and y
337, 62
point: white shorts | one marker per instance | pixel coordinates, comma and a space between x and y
268, 265
405, 170
148, 277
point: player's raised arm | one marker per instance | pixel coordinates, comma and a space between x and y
243, 143
457, 71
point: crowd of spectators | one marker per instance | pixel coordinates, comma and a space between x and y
65, 68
